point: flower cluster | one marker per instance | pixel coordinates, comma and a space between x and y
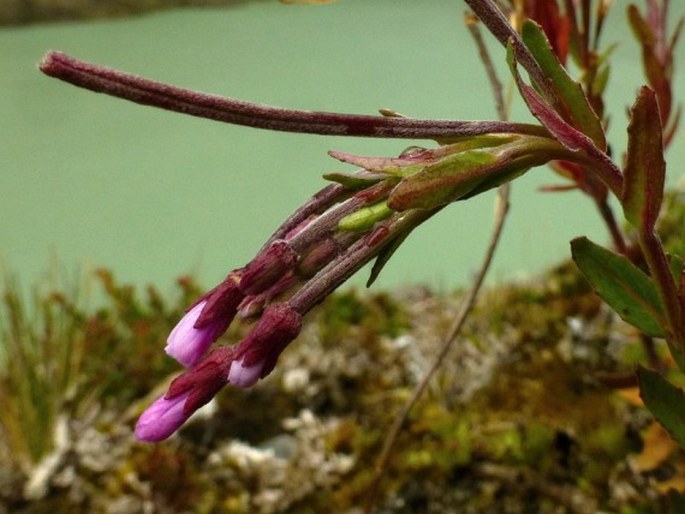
367, 214
361, 216
310, 254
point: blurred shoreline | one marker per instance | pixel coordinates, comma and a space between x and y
25, 12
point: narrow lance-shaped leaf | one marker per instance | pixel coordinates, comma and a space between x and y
566, 134
390, 247
654, 68
575, 105
677, 267
626, 288
643, 187
665, 401
493, 18
472, 172
444, 182
384, 256
354, 182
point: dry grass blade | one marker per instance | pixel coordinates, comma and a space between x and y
501, 210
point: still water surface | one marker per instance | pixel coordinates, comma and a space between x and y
97, 181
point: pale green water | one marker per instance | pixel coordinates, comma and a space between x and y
101, 182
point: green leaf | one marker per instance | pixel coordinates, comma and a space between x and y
561, 129
575, 106
626, 288
465, 174
665, 401
352, 181
677, 266
384, 257
643, 188
444, 182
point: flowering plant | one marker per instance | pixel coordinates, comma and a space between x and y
367, 214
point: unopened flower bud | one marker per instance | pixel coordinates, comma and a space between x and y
188, 344
268, 267
162, 418
204, 380
244, 376
277, 327
252, 306
317, 257
221, 303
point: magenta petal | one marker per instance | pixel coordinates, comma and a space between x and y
244, 376
161, 419
188, 344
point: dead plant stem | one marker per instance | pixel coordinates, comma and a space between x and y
501, 210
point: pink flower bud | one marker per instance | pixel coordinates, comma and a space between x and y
188, 344
221, 302
162, 418
244, 376
204, 380
268, 267
277, 327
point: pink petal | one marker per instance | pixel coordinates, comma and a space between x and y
161, 419
244, 376
188, 344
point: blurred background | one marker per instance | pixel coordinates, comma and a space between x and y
88, 181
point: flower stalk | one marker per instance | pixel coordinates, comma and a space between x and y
148, 92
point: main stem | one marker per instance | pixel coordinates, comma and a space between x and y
661, 272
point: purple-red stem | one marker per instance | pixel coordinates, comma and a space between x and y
661, 273
500, 27
362, 251
610, 220
148, 92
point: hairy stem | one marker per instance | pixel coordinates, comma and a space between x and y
500, 27
148, 92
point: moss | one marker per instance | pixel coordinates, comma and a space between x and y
516, 420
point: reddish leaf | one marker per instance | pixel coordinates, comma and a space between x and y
656, 66
556, 26
645, 166
572, 103
567, 135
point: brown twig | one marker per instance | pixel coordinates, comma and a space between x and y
607, 214
471, 21
501, 210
